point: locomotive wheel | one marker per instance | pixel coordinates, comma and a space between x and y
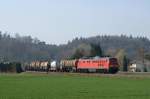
105, 71
113, 70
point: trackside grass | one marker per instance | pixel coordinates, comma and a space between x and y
32, 86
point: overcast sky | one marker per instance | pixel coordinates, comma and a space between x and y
57, 21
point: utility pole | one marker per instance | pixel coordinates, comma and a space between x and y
142, 52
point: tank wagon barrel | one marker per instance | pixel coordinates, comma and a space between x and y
54, 66
68, 65
38, 66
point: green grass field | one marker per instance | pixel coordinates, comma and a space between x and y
32, 86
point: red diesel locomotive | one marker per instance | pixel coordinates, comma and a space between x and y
104, 65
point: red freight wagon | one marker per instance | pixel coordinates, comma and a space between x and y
98, 65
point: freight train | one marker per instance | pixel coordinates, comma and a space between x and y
104, 65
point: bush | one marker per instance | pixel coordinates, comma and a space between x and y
11, 67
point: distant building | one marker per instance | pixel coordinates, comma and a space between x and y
132, 68
138, 66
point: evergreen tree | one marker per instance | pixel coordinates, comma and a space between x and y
87, 50
125, 63
96, 50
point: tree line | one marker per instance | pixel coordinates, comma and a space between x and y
26, 49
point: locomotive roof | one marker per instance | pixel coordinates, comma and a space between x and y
96, 58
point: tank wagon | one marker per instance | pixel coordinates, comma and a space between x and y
54, 66
38, 66
68, 65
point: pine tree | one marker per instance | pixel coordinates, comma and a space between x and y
125, 63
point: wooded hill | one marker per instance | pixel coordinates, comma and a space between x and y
26, 48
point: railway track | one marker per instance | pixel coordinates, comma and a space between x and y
119, 74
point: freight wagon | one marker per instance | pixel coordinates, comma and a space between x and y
38, 66
68, 65
54, 66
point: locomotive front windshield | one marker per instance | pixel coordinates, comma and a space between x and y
113, 61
